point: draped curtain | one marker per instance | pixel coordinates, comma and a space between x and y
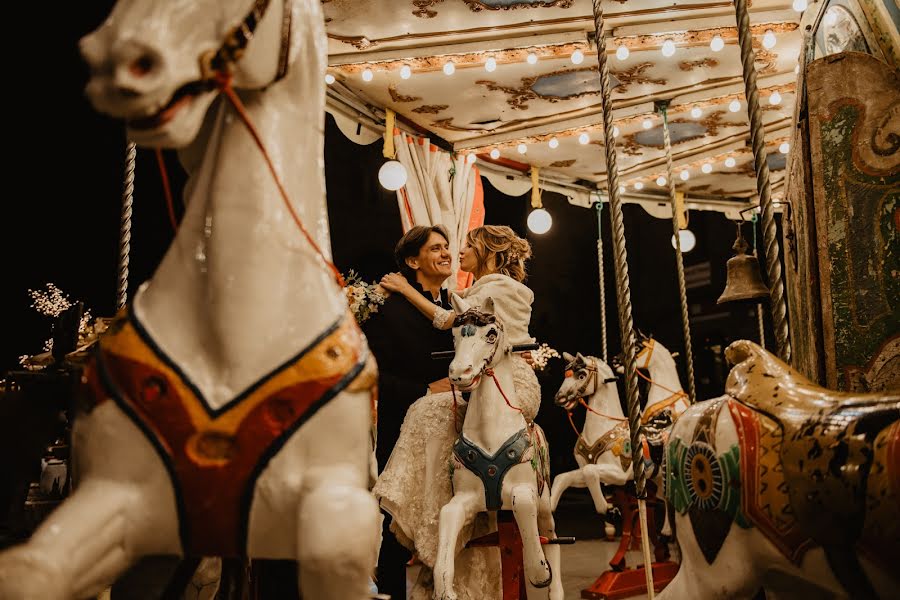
440, 190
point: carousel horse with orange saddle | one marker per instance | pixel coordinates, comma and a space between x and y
227, 410
785, 485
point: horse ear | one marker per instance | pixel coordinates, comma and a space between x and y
579, 356
488, 306
568, 357
458, 303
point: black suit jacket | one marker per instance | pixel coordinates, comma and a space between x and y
402, 340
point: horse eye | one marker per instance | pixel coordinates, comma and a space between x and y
491, 335
581, 375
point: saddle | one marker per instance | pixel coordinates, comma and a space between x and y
833, 444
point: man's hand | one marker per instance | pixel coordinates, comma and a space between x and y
395, 282
441, 385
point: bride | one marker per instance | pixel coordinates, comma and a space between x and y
415, 483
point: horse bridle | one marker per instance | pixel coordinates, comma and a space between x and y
648, 349
593, 370
215, 63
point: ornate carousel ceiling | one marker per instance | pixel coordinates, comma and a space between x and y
515, 84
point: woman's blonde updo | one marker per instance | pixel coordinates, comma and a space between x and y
509, 250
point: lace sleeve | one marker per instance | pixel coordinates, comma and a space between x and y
441, 317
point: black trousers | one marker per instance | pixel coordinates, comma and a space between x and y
392, 562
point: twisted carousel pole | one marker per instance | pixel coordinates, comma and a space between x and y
603, 335
125, 227
764, 189
623, 292
662, 108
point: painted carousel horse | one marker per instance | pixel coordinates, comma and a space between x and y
227, 411
603, 449
785, 485
500, 461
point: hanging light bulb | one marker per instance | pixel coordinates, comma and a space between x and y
531, 59
717, 43
784, 148
638, 185
622, 52
405, 72
615, 131
392, 175
775, 98
329, 78
647, 124
577, 57
584, 138
449, 68
707, 168
799, 5
367, 75
696, 112
554, 143
687, 238
668, 48
768, 40
471, 158
621, 189
522, 148
490, 65
539, 221
730, 162
660, 181
734, 105
685, 175
495, 154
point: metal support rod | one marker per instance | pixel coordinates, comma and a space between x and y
623, 286
763, 186
762, 325
603, 335
125, 227
662, 108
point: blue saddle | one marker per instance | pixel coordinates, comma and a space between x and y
491, 469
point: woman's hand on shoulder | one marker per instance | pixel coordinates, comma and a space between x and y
395, 282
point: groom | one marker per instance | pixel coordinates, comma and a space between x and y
402, 340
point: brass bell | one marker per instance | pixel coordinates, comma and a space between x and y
744, 280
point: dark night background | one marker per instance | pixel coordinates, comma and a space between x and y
65, 230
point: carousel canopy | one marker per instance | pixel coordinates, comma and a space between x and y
515, 82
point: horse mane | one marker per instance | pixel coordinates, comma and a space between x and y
473, 316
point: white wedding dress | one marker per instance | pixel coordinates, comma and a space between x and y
415, 484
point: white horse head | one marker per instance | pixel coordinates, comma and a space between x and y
584, 376
479, 342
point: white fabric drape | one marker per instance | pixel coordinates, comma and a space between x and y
440, 190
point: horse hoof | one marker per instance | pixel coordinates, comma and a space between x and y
546, 582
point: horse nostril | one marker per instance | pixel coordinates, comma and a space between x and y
142, 65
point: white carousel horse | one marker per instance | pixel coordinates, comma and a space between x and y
500, 461
232, 403
603, 449
665, 386
785, 485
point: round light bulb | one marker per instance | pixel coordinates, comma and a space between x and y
784, 148
707, 168
638, 185
615, 131
768, 40
495, 154
729, 162
329, 78
577, 57
696, 112
685, 175
554, 143
734, 105
539, 221
647, 124
522, 148
392, 175
367, 75
584, 139
490, 65
531, 59
717, 43
622, 52
621, 189
405, 72
775, 98
668, 48
687, 238
449, 68
471, 158
799, 5
660, 181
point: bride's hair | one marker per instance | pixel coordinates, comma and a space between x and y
509, 250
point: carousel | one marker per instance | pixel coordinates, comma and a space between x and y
214, 434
